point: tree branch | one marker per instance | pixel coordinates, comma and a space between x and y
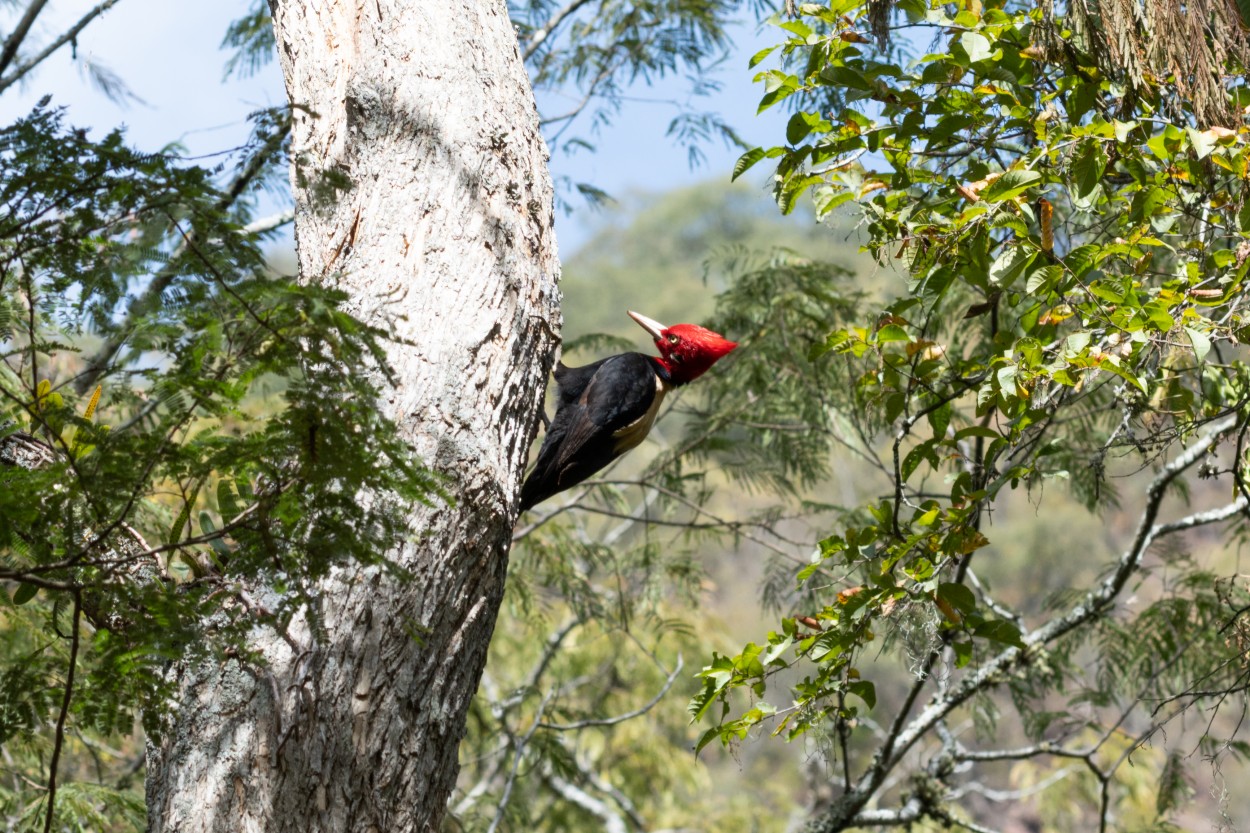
846, 810
70, 35
621, 718
59, 741
612, 821
539, 35
14, 41
516, 764
273, 221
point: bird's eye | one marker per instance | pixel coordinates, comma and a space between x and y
673, 339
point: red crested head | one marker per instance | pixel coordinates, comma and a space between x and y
687, 351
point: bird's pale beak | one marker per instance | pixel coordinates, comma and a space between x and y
655, 328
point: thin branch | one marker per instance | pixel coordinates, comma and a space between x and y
909, 813
273, 221
14, 41
550, 649
539, 35
616, 795
612, 821
1020, 754
1094, 604
621, 718
1202, 518
59, 741
1012, 796
516, 764
591, 89
70, 36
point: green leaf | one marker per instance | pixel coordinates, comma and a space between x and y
759, 56
1009, 265
1000, 630
940, 419
1081, 259
1243, 8
746, 161
1044, 280
706, 738
179, 526
779, 87
1202, 344
1088, 169
1161, 146
976, 431
774, 652
1173, 788
24, 593
1202, 143
1076, 343
963, 653
976, 45
892, 332
797, 128
1147, 202
912, 460
958, 596
864, 690
826, 198
1009, 185
227, 505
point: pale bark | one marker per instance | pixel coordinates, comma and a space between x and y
447, 232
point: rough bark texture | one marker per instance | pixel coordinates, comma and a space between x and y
425, 109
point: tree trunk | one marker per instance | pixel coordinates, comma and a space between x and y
444, 229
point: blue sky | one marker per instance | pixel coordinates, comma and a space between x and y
168, 54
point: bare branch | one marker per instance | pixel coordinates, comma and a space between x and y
14, 41
273, 221
1020, 754
612, 821
70, 35
847, 809
1011, 796
516, 764
621, 718
550, 649
539, 35
59, 742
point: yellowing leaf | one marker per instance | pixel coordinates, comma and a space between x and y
93, 402
1045, 214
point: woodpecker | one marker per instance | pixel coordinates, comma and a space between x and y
606, 408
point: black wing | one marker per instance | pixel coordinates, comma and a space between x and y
571, 382
592, 403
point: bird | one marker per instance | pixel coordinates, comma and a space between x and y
606, 408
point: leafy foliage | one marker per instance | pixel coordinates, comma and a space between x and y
1074, 311
234, 436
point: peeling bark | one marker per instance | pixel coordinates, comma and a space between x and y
445, 231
